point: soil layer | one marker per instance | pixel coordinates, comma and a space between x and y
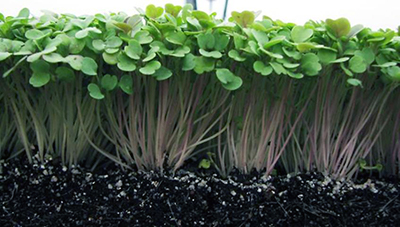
53, 195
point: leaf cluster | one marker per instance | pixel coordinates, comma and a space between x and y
158, 41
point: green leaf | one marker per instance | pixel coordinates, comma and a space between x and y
386, 64
136, 22
111, 59
54, 58
310, 64
367, 54
53, 43
271, 54
260, 36
238, 41
289, 65
49, 50
261, 68
98, 44
229, 80
143, 37
150, 68
89, 66
355, 30
82, 34
203, 64
160, 47
126, 28
210, 54
85, 32
109, 82
274, 41
206, 41
346, 70
340, 60
40, 66
154, 12
82, 24
34, 57
24, 13
75, 61
125, 84
292, 53
295, 75
394, 72
193, 23
234, 54
134, 50
151, 54
65, 74
180, 52
125, 63
301, 34
244, 18
113, 42
94, 91
354, 82
162, 73
111, 50
278, 68
189, 62
205, 164
340, 27
305, 47
39, 79
326, 56
173, 10
200, 15
34, 34
357, 64
177, 38
76, 46
41, 75
252, 48
221, 41
4, 55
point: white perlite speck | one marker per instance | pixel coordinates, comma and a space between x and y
119, 183
54, 179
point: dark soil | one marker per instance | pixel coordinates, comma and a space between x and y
52, 195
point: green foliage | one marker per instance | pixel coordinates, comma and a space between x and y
142, 44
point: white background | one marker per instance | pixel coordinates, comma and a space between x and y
373, 14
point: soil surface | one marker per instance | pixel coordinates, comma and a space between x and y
52, 195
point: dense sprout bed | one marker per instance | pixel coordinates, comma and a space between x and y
156, 89
51, 194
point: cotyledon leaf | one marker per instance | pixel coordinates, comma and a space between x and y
150, 68
89, 66
94, 91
